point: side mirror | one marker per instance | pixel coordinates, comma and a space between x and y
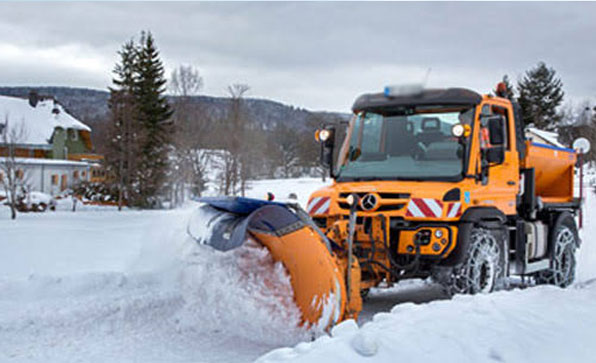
496, 130
326, 137
493, 139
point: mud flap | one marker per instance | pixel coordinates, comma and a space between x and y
316, 277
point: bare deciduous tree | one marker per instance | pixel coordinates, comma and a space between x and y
192, 127
235, 169
13, 178
186, 81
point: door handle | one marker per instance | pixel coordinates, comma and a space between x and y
510, 182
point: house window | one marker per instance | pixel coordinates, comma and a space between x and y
84, 173
20, 174
73, 134
75, 174
54, 179
63, 182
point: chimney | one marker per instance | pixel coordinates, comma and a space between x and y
33, 98
55, 110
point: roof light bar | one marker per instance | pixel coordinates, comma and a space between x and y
403, 90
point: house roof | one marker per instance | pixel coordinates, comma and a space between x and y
38, 122
548, 136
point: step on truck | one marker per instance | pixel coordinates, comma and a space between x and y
437, 183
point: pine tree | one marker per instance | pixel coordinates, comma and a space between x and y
154, 116
540, 93
124, 131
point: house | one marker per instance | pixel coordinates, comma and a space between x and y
53, 149
543, 137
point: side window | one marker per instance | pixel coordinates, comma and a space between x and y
496, 110
486, 110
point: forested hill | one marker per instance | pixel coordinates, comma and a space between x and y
91, 106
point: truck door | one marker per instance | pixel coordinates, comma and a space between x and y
499, 156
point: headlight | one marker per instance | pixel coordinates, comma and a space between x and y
458, 130
438, 233
324, 135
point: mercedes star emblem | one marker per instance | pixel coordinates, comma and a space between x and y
369, 202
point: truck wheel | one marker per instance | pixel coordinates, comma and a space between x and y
483, 268
562, 270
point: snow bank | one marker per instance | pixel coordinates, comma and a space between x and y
538, 324
541, 324
133, 286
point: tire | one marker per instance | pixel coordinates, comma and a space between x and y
564, 244
483, 267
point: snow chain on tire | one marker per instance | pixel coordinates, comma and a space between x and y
483, 268
562, 270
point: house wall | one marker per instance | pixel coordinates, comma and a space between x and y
48, 178
24, 152
65, 142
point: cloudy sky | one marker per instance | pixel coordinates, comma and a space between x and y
314, 55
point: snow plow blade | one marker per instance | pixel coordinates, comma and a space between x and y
316, 275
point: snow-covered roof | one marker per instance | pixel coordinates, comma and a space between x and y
548, 136
38, 122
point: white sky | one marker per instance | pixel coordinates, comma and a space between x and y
314, 55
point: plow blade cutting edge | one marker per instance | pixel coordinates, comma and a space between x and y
316, 275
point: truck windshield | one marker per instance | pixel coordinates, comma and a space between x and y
412, 145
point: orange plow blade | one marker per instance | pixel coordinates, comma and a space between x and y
317, 276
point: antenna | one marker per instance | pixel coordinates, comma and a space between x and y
425, 81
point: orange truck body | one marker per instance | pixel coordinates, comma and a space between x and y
555, 169
509, 203
406, 207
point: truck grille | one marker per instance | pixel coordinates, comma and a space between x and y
387, 201
382, 195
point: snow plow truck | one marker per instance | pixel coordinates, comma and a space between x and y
438, 183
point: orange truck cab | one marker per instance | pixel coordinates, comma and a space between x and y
443, 183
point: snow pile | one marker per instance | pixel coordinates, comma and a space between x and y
38, 122
538, 324
240, 293
145, 291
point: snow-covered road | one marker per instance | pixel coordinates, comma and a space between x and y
127, 287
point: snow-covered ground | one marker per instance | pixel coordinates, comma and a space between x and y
99, 285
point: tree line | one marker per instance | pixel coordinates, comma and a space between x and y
158, 150
539, 93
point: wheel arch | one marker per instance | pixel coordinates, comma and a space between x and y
489, 217
559, 219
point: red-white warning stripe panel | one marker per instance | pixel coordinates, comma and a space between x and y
318, 205
454, 210
425, 207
